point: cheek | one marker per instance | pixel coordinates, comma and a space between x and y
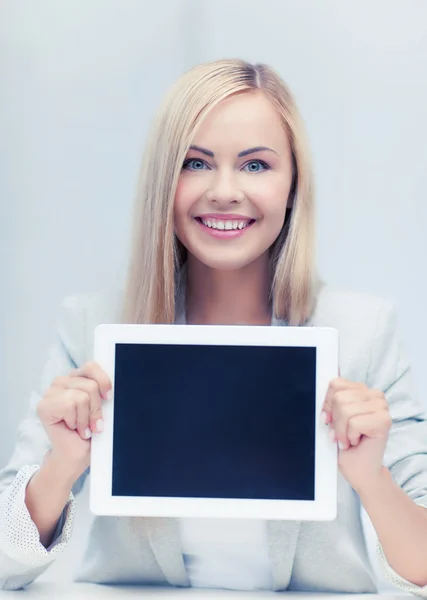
185, 199
272, 202
188, 192
181, 195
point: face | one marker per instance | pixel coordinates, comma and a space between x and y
233, 190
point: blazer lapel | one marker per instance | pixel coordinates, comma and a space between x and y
164, 538
282, 535
282, 543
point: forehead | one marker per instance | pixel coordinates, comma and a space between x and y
244, 120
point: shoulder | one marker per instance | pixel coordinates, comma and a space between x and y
98, 307
347, 310
79, 315
366, 325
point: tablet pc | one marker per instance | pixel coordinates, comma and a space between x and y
215, 421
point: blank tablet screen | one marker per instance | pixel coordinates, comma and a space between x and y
199, 421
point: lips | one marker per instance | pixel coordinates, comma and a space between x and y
225, 226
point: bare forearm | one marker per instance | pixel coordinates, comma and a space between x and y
401, 526
47, 494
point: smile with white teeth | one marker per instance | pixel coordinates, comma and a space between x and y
225, 225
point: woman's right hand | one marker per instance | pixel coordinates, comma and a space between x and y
71, 412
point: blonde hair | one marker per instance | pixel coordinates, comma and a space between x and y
156, 254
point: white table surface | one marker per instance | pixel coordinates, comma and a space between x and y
87, 591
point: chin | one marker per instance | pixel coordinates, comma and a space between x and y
225, 263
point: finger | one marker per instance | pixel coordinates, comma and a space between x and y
340, 398
90, 386
95, 402
93, 370
337, 385
68, 406
346, 411
82, 404
375, 425
354, 438
326, 417
56, 406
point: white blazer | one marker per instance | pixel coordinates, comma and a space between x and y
310, 556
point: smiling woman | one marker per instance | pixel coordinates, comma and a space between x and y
224, 234
229, 167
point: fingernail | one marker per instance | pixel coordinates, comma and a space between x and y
109, 395
324, 416
341, 446
332, 435
99, 425
88, 433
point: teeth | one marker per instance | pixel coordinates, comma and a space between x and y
224, 225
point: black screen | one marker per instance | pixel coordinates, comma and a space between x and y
214, 421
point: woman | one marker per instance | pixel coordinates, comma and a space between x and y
224, 234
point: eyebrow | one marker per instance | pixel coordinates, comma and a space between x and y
243, 153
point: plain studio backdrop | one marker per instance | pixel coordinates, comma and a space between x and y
79, 84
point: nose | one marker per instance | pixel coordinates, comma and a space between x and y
224, 191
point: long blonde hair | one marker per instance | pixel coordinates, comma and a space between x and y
156, 254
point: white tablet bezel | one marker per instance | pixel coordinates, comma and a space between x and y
324, 507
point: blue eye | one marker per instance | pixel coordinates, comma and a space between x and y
256, 166
197, 164
194, 164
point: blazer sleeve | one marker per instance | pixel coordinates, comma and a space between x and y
406, 451
22, 556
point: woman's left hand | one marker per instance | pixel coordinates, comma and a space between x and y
359, 420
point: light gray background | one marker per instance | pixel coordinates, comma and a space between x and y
79, 83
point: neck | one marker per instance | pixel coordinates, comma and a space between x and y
240, 297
